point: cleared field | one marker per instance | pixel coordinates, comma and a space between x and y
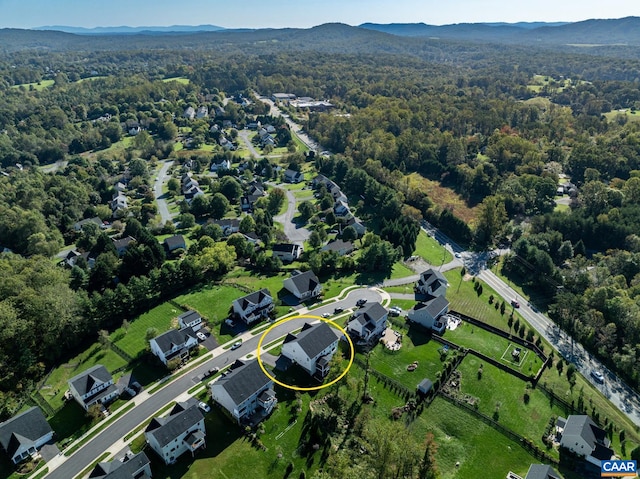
183, 80
41, 85
430, 250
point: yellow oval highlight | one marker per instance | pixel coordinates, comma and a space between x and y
298, 388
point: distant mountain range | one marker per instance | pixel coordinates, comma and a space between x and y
125, 30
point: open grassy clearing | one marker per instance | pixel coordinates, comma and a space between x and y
41, 85
625, 114
182, 80
56, 384
430, 250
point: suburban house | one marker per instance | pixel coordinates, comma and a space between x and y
120, 187
312, 348
80, 224
303, 286
220, 164
368, 323
245, 392
254, 307
341, 208
174, 242
190, 319
189, 113
175, 343
341, 247
357, 225
292, 176
427, 312
93, 386
118, 203
432, 283
122, 244
74, 255
23, 435
173, 435
287, 252
247, 202
580, 435
134, 130
229, 226
203, 112
131, 466
542, 471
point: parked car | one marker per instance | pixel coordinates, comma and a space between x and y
361, 302
204, 406
211, 372
326, 315
597, 375
236, 345
515, 303
338, 310
201, 336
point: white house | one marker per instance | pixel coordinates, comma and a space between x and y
368, 323
427, 312
203, 112
220, 164
229, 226
173, 343
312, 348
81, 224
93, 386
190, 319
303, 286
292, 176
189, 113
581, 436
254, 307
181, 431
287, 252
23, 435
130, 466
432, 283
245, 392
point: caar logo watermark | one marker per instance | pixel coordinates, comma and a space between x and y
618, 469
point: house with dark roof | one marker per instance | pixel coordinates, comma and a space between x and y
287, 252
303, 286
174, 242
190, 319
428, 311
582, 438
368, 323
542, 471
245, 392
292, 176
229, 226
181, 431
122, 244
74, 255
254, 306
23, 435
130, 466
357, 225
432, 283
341, 247
93, 386
312, 348
81, 224
175, 343
219, 165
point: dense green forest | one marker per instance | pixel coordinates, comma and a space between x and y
465, 116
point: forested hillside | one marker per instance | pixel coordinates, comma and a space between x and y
470, 118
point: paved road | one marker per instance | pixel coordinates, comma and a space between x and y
163, 208
294, 127
244, 136
76, 463
621, 395
296, 233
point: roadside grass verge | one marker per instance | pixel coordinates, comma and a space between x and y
431, 251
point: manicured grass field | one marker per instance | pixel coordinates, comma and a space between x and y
528, 419
431, 251
212, 302
133, 341
36, 85
183, 80
54, 388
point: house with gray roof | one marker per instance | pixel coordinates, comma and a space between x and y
583, 438
181, 431
287, 252
368, 323
292, 176
82, 223
175, 343
190, 319
131, 466
428, 311
542, 471
303, 286
122, 244
312, 348
245, 392
93, 386
432, 283
174, 242
23, 435
254, 306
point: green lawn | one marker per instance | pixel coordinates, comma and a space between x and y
528, 419
41, 85
494, 346
431, 251
133, 341
54, 388
183, 80
212, 302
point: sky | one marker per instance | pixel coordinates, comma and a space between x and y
300, 13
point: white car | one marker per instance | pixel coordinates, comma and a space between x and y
204, 406
201, 336
236, 345
326, 315
597, 375
458, 255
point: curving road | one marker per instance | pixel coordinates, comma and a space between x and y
163, 208
66, 468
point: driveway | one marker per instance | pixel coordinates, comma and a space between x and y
163, 208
